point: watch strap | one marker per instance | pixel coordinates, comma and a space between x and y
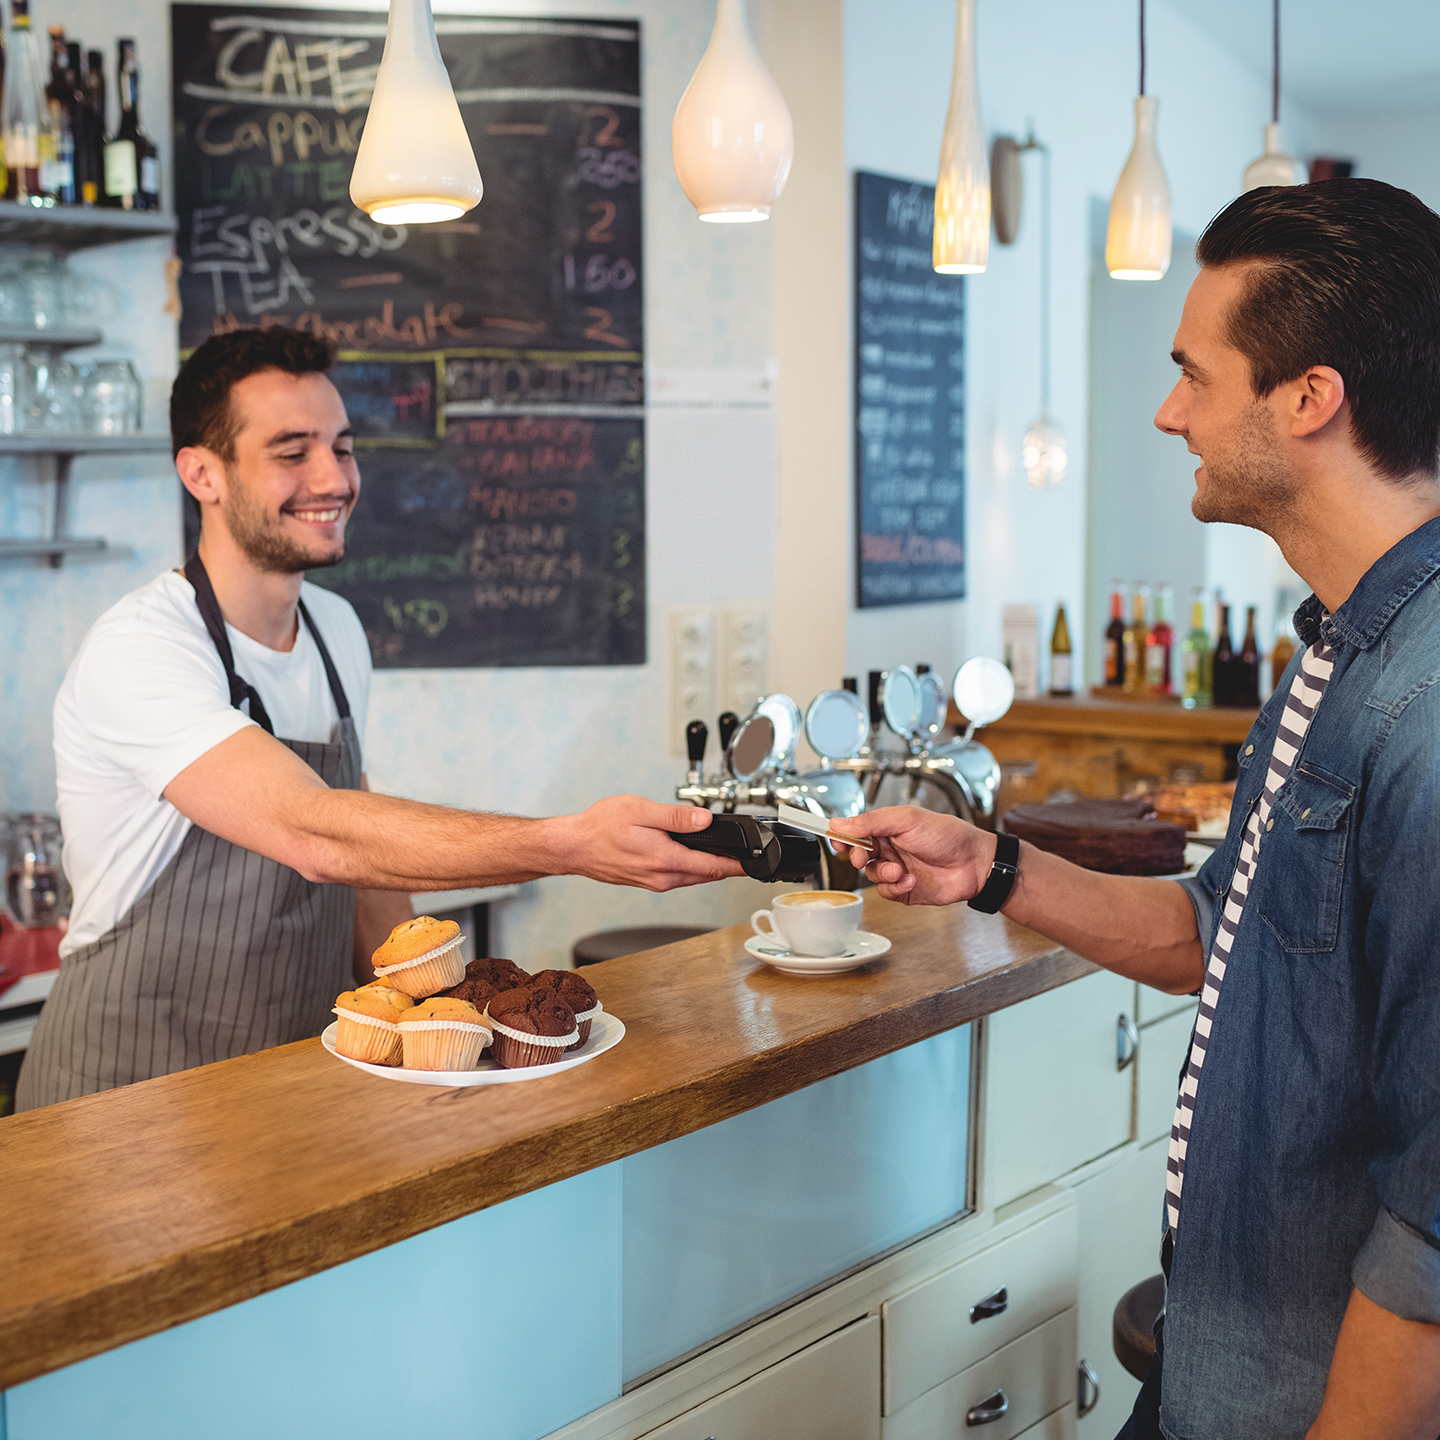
1001, 881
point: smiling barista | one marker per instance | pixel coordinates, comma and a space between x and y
229, 866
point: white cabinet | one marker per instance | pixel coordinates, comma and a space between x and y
1059, 1426
1055, 1097
1163, 1048
828, 1391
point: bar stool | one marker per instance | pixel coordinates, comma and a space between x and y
1134, 1325
611, 944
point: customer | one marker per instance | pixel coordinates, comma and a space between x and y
1302, 1215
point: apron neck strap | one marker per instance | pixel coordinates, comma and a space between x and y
337, 690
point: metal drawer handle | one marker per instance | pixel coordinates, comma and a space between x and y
990, 1306
1087, 1388
1127, 1042
992, 1408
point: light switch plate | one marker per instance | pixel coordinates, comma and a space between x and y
694, 688
744, 657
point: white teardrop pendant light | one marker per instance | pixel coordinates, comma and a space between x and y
1137, 239
732, 138
415, 163
1274, 167
962, 190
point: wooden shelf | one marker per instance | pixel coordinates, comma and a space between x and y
73, 227
1147, 719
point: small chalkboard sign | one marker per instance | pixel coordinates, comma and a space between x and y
492, 366
909, 402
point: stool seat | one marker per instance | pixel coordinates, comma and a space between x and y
611, 944
1134, 1325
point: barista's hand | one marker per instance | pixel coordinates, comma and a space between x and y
623, 841
921, 858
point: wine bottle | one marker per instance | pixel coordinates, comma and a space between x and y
1061, 656
29, 140
1284, 651
1159, 646
60, 101
132, 164
1223, 672
1247, 674
98, 128
1196, 651
1134, 641
1115, 637
87, 188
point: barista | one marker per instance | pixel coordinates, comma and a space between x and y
231, 872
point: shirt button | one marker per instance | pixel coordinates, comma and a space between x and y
1249, 749
1269, 824
1304, 812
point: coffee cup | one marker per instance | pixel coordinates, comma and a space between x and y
817, 923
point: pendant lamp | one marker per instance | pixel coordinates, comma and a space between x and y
1274, 167
962, 191
1137, 239
731, 138
415, 164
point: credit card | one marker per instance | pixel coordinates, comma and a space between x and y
812, 825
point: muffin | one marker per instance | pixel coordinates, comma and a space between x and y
485, 979
442, 1034
532, 1026
578, 994
367, 1023
421, 956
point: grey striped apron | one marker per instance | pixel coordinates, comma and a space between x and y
228, 952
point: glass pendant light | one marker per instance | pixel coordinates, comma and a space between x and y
732, 139
1042, 451
415, 164
962, 191
1137, 240
1274, 167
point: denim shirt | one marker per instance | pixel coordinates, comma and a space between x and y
1314, 1154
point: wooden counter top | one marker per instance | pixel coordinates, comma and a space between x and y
135, 1210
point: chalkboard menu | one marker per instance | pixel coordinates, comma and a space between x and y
909, 402
492, 366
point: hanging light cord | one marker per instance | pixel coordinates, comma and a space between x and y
1031, 143
1142, 44
1275, 75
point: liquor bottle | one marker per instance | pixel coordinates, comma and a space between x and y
29, 140
1133, 642
1196, 650
1247, 670
132, 164
60, 100
1284, 651
1061, 656
1115, 637
1159, 645
1222, 683
87, 182
98, 132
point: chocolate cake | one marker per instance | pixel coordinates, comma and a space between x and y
1119, 837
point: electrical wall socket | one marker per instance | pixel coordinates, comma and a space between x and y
744, 657
694, 672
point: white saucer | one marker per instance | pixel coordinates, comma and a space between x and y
606, 1032
863, 948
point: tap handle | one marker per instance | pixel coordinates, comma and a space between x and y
851, 684
729, 723
922, 669
876, 714
696, 734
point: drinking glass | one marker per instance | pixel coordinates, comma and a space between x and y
45, 280
36, 890
12, 387
112, 398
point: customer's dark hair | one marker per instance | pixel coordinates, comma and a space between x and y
200, 411
1346, 274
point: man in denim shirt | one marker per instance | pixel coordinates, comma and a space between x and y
1302, 1232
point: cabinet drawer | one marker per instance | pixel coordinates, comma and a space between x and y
929, 1335
1036, 1372
829, 1391
1058, 1426
1163, 1047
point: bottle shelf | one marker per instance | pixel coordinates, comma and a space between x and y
59, 337
74, 227
55, 551
83, 444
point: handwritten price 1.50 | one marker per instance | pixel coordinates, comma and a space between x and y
600, 273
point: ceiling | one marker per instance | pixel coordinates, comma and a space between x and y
1355, 55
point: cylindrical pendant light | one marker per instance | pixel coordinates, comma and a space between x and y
732, 138
415, 163
1137, 239
1273, 167
962, 191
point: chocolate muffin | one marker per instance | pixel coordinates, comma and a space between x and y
485, 978
578, 994
530, 1011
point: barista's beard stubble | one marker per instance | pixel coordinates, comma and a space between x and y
1247, 481
265, 544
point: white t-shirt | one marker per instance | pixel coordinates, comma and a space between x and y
145, 697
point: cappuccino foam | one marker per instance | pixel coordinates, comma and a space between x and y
819, 897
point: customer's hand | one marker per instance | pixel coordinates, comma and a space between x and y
623, 841
920, 858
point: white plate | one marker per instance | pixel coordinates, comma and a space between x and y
606, 1032
863, 948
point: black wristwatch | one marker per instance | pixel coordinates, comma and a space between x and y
1002, 876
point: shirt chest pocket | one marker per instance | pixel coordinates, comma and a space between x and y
1301, 874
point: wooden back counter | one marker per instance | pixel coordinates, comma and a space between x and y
135, 1210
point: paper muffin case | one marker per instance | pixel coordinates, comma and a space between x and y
367, 1037
426, 974
515, 1049
585, 1019
443, 1044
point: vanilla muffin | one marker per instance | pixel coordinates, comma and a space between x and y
442, 1034
421, 956
367, 1023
